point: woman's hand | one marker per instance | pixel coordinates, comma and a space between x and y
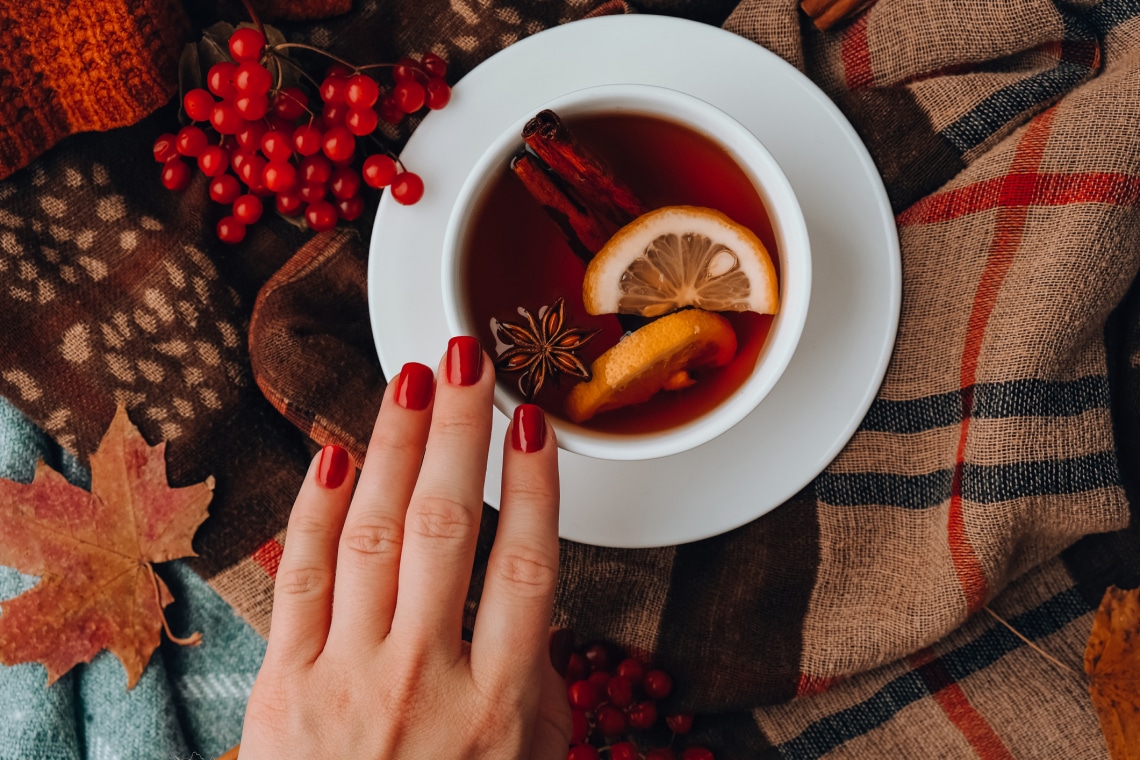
365, 658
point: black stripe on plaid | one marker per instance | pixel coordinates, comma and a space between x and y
982, 484
1014, 398
1112, 13
1079, 48
830, 732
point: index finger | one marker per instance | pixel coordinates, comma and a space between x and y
512, 625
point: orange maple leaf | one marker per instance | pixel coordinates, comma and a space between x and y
1112, 662
94, 552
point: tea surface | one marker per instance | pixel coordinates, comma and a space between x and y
517, 257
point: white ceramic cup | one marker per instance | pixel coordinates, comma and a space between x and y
787, 224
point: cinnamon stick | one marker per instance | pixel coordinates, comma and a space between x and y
583, 171
827, 13
584, 231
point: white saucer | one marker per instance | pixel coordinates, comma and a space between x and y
856, 291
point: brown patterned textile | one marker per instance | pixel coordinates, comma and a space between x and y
1004, 435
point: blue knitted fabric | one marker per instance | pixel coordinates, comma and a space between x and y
189, 702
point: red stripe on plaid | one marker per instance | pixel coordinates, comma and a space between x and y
268, 555
806, 685
956, 705
1009, 226
856, 54
1028, 189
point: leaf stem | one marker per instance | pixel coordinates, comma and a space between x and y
193, 639
1029, 643
254, 18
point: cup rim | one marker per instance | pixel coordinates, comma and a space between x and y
788, 225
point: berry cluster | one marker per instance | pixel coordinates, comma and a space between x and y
610, 697
256, 139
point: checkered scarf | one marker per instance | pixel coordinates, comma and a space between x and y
1003, 437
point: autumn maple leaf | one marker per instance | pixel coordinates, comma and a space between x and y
94, 552
1112, 662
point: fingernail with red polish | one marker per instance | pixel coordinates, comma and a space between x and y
528, 433
332, 467
464, 360
414, 386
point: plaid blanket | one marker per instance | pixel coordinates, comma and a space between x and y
1004, 433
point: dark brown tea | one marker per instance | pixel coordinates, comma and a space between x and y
516, 257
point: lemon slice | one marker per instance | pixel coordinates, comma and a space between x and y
658, 356
681, 256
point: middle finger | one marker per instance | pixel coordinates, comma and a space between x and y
371, 543
442, 525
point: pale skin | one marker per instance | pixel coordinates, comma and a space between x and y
365, 658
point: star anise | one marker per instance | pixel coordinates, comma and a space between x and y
542, 348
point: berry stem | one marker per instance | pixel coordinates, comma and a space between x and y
311, 49
255, 18
300, 70
387, 151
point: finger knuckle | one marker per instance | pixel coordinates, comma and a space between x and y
303, 582
377, 537
459, 425
388, 444
441, 517
526, 569
529, 491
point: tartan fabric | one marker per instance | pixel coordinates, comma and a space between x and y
1004, 432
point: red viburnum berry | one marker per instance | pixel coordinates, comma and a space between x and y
681, 723
624, 751
214, 160
407, 188
224, 189
361, 121
166, 148
247, 209
344, 183
379, 171
611, 721
176, 175
350, 209
197, 104
579, 726
582, 695
246, 44
642, 715
307, 140
279, 176
290, 203
320, 216
435, 65
633, 669
220, 79
230, 230
658, 684
410, 96
697, 753
191, 141
438, 94
361, 91
290, 103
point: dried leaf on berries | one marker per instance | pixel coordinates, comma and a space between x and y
94, 552
1112, 662
214, 47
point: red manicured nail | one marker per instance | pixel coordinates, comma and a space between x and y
464, 360
528, 433
414, 386
332, 467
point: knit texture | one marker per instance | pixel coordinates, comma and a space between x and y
1003, 440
